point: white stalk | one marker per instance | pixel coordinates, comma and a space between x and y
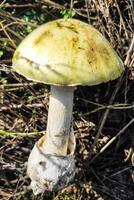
51, 164
59, 120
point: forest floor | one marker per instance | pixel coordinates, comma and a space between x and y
103, 114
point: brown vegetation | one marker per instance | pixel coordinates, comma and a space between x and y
103, 114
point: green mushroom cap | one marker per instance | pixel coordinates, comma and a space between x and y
67, 52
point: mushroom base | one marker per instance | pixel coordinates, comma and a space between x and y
50, 172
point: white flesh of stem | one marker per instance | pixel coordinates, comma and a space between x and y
59, 120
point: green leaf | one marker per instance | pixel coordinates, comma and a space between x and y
67, 14
1, 53
26, 18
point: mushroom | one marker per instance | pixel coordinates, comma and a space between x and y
63, 53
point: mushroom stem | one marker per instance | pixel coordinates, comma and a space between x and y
59, 120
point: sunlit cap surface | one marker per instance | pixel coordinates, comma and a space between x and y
67, 52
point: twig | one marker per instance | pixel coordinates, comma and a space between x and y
7, 48
119, 83
5, 26
4, 30
121, 171
6, 68
8, 133
1, 4
21, 5
121, 19
71, 5
6, 61
14, 106
129, 51
18, 85
111, 141
104, 117
53, 4
22, 22
87, 10
113, 107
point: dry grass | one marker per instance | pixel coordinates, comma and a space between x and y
101, 112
